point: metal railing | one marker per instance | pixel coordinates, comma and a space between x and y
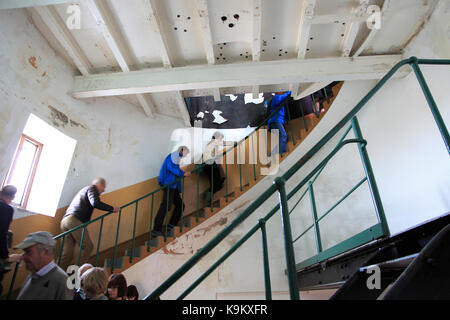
376, 231
197, 170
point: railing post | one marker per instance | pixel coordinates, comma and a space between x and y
288, 245
226, 179
182, 204
286, 105
166, 219
151, 225
253, 159
81, 245
212, 187
431, 103
61, 250
262, 225
198, 195
314, 105
13, 280
314, 211
134, 232
115, 244
240, 165
303, 117
370, 177
326, 94
98, 242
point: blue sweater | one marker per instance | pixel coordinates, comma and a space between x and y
277, 100
170, 171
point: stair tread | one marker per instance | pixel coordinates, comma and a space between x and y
218, 204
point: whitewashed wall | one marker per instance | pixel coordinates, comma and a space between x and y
114, 138
411, 166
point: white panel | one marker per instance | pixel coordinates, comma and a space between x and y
181, 28
237, 23
279, 29
91, 40
132, 19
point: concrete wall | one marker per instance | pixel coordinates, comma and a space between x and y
409, 160
115, 139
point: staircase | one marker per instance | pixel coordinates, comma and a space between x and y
298, 130
410, 265
126, 254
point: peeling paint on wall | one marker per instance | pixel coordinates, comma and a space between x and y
57, 117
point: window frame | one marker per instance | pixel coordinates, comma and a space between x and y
32, 172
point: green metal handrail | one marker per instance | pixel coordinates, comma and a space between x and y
279, 184
83, 226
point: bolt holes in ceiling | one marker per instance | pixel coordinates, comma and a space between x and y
231, 24
181, 20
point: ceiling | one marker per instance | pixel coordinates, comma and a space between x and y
118, 36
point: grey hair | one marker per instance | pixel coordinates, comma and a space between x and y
41, 247
8, 191
85, 267
217, 135
99, 181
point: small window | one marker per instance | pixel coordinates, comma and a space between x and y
23, 168
39, 167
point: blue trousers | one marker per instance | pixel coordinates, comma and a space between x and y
282, 136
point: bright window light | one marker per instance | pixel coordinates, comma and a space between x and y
40, 166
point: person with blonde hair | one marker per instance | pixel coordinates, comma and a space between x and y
94, 284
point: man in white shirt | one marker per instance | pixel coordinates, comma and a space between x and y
46, 281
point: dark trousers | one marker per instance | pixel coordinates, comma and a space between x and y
282, 137
174, 198
214, 170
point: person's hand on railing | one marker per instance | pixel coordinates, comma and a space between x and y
116, 209
15, 258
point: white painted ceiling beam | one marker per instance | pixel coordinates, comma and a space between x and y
338, 18
304, 28
56, 25
235, 75
205, 30
352, 28
181, 104
373, 31
17, 4
153, 18
155, 24
112, 36
307, 89
256, 39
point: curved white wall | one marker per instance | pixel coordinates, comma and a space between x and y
409, 159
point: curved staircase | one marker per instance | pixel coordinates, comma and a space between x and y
298, 129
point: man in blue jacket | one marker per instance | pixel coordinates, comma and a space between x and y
277, 120
170, 171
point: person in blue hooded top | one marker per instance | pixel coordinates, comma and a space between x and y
170, 171
278, 119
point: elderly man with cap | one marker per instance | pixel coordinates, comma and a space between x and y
46, 281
